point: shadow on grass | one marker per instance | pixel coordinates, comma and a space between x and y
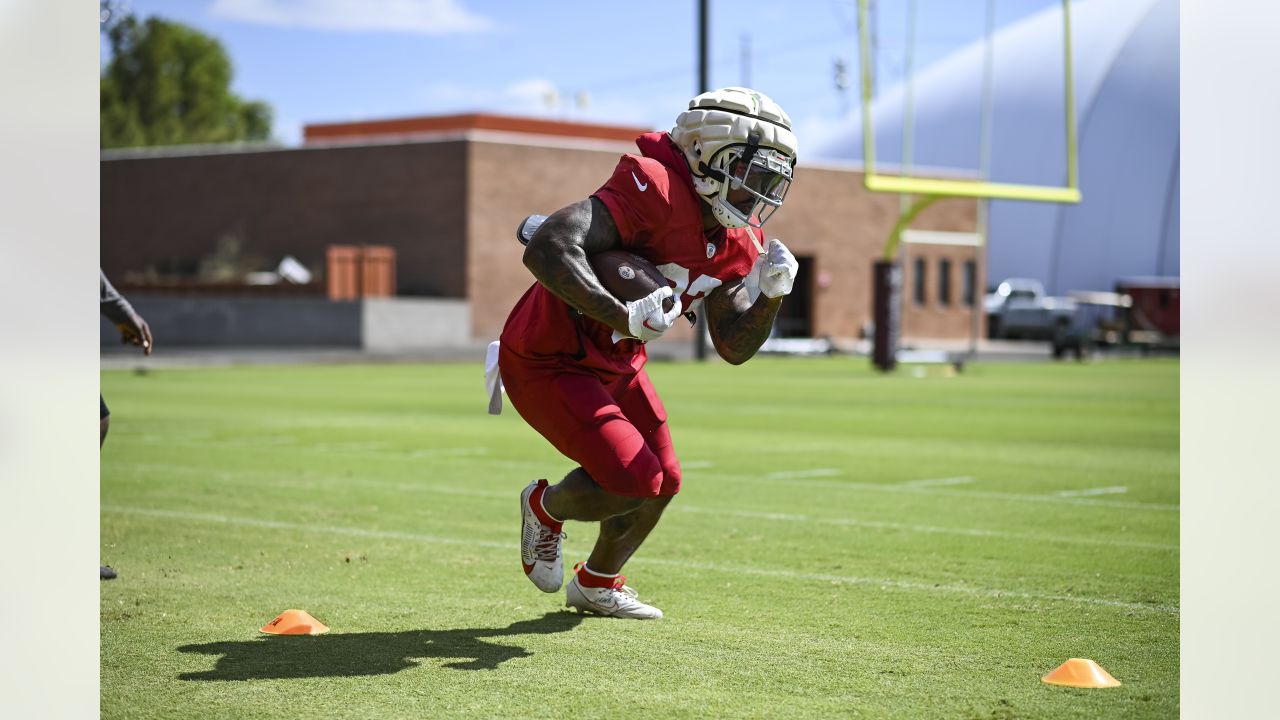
354, 654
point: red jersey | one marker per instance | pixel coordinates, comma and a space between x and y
659, 216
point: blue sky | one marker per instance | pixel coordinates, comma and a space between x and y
636, 63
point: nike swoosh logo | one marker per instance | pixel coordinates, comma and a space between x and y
642, 186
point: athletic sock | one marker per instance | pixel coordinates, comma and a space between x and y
535, 503
590, 578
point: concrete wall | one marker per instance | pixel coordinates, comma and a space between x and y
408, 324
378, 325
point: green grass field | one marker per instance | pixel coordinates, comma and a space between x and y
847, 545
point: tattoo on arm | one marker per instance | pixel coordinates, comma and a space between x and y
557, 257
738, 326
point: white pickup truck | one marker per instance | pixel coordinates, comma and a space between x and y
1020, 309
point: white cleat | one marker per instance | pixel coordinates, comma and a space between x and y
617, 601
540, 546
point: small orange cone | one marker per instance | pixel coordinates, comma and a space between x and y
295, 622
1081, 673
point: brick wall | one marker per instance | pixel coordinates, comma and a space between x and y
934, 318
506, 182
166, 213
450, 208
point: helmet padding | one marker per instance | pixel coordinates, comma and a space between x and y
721, 127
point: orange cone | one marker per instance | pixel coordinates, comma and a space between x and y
294, 622
1081, 673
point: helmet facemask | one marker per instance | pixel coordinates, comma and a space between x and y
762, 173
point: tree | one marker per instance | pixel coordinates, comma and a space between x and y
170, 84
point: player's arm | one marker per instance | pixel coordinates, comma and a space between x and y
738, 326
557, 256
133, 329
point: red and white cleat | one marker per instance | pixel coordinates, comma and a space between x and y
618, 600
540, 542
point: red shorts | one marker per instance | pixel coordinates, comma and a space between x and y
617, 431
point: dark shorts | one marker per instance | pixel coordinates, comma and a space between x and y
616, 431
105, 411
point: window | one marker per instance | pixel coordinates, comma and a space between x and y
970, 282
918, 281
944, 282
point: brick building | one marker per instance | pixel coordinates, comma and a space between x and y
447, 192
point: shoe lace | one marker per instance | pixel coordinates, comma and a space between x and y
620, 586
547, 545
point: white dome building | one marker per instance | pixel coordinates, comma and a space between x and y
1126, 72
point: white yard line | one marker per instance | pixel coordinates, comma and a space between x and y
929, 529
937, 482
348, 448
708, 567
1114, 490
802, 480
793, 474
375, 448
697, 465
905, 585
449, 452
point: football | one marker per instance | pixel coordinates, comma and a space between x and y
628, 276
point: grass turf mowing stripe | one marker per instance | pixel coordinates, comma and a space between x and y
711, 567
253, 478
800, 478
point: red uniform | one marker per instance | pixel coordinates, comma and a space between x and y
567, 376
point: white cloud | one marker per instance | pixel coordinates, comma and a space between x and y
532, 95
529, 97
523, 97
427, 17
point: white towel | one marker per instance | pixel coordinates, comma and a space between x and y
493, 379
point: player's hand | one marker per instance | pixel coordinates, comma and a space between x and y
646, 319
779, 271
136, 332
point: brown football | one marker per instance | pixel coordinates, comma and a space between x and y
628, 276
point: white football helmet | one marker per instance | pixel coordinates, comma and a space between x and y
737, 138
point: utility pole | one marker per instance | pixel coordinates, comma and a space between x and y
704, 84
841, 79
704, 12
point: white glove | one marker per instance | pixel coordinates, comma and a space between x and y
779, 270
645, 318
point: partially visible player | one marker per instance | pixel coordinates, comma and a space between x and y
572, 355
133, 329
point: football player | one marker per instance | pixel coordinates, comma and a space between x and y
571, 355
133, 329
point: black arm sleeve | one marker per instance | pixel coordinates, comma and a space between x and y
112, 304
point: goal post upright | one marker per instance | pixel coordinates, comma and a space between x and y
927, 190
